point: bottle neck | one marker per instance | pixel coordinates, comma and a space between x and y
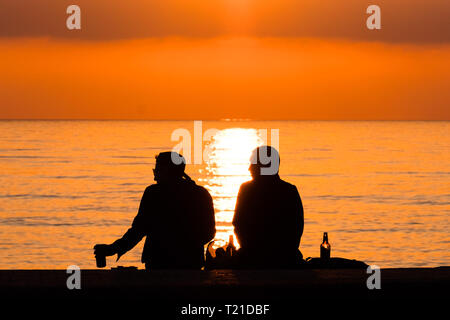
231, 241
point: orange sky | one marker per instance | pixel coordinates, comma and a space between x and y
225, 59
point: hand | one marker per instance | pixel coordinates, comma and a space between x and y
104, 250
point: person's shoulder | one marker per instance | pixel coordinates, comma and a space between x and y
152, 188
150, 191
200, 190
247, 185
191, 185
288, 185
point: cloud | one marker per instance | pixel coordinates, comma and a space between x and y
256, 78
415, 21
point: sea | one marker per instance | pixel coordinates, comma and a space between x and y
381, 189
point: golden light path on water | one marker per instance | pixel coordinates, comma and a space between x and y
226, 169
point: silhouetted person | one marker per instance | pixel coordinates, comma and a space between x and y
268, 219
175, 214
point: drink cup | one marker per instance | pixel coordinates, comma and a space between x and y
101, 261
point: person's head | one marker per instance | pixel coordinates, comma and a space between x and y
169, 166
264, 161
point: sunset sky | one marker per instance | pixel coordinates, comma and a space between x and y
216, 59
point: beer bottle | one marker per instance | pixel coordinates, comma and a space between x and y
231, 249
325, 247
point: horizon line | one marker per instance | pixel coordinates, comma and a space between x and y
220, 120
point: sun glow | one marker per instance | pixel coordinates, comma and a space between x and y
226, 169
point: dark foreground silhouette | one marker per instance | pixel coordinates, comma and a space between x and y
176, 216
268, 220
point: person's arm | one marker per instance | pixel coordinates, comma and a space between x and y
207, 220
201, 226
238, 223
132, 237
298, 222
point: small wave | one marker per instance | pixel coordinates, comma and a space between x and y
312, 175
62, 177
127, 163
100, 209
413, 172
26, 157
337, 197
132, 157
427, 203
316, 158
378, 198
129, 184
20, 149
328, 212
32, 196
40, 221
318, 149
153, 148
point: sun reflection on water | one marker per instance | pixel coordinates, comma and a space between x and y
226, 169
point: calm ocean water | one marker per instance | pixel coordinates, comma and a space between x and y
380, 189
